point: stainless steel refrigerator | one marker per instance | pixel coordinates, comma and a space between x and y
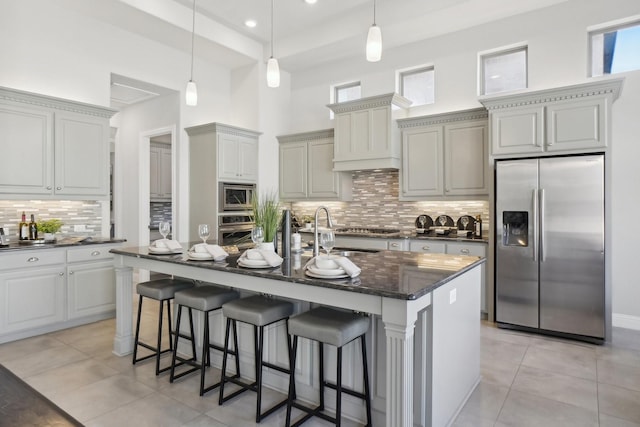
550, 265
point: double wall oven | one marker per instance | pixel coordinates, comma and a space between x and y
234, 219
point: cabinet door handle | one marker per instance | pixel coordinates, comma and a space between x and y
60, 274
70, 273
464, 251
95, 253
33, 259
48, 187
58, 188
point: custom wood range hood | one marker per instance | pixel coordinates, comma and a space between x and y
365, 135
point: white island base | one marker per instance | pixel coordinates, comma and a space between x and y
424, 353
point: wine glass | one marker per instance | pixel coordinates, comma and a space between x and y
164, 228
203, 232
257, 235
327, 240
464, 221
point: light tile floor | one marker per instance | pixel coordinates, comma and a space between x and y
527, 380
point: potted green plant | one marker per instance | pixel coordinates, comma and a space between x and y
49, 227
266, 213
308, 220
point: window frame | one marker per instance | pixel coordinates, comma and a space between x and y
493, 53
621, 24
400, 74
333, 92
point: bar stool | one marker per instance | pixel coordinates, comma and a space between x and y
205, 299
335, 327
259, 311
162, 290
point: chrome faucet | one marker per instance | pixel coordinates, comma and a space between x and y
316, 246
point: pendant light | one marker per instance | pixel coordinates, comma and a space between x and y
191, 94
273, 70
374, 40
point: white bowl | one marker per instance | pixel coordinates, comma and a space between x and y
326, 263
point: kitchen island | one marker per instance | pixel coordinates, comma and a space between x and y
424, 322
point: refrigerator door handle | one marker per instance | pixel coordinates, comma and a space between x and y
542, 213
534, 209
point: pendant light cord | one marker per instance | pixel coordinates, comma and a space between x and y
272, 28
193, 32
374, 12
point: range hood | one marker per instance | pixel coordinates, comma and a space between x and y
366, 135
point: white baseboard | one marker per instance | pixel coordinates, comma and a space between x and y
626, 321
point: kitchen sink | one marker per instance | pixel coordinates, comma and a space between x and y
351, 251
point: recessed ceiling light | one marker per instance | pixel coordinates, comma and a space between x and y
310, 1
251, 23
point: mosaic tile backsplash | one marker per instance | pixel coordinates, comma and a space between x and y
375, 204
71, 213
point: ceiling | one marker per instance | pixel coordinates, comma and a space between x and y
305, 36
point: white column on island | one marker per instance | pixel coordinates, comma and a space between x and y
399, 318
123, 341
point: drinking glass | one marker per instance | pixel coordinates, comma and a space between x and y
164, 228
327, 240
257, 234
464, 221
203, 232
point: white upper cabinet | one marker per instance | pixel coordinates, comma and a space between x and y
444, 155
366, 136
160, 172
58, 148
553, 121
237, 157
306, 168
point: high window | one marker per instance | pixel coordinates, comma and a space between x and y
615, 49
504, 70
417, 85
347, 92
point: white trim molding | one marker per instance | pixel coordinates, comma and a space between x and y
626, 321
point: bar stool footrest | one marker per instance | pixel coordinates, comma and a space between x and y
311, 412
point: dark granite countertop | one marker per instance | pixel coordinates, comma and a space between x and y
407, 235
392, 274
60, 243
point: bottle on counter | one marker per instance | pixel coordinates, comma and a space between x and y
23, 228
477, 233
33, 229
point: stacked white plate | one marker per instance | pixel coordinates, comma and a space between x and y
326, 273
253, 263
162, 251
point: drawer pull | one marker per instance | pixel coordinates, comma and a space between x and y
464, 251
426, 248
95, 253
394, 245
33, 259
60, 274
70, 273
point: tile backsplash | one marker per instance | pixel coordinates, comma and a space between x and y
375, 204
72, 213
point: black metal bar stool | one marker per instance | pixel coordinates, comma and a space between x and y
205, 299
163, 291
259, 311
338, 328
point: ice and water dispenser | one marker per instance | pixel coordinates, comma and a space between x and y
515, 228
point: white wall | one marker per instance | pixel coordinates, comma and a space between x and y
558, 50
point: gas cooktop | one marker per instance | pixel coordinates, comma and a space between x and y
366, 230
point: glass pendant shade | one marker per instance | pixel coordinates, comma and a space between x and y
191, 95
273, 73
374, 44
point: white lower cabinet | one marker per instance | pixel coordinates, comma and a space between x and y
353, 242
455, 248
31, 298
51, 289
